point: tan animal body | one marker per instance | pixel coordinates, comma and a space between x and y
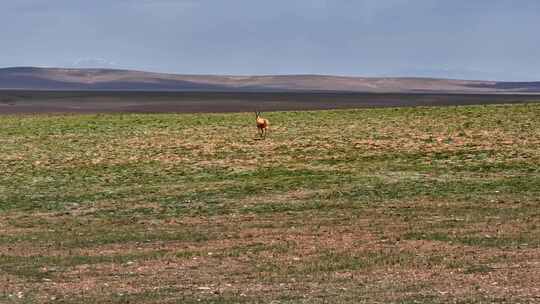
262, 124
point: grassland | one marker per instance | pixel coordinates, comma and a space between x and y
408, 205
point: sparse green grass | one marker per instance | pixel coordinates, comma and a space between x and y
408, 205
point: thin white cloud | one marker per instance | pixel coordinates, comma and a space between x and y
94, 63
161, 4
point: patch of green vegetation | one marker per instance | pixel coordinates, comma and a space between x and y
478, 269
502, 242
41, 267
329, 262
81, 238
173, 295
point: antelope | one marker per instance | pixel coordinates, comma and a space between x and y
262, 124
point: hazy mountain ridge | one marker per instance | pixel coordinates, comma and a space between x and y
33, 78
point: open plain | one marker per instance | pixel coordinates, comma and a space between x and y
20, 101
386, 205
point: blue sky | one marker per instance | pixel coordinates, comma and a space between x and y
471, 39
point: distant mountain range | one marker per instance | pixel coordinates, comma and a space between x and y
32, 78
